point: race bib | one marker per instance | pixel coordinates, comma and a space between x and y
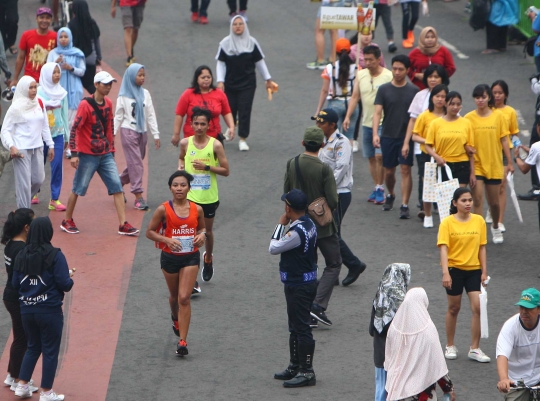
200, 182
186, 242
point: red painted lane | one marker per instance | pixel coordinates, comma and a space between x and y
93, 309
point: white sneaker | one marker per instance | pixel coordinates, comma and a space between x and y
52, 396
23, 391
502, 227
9, 380
497, 235
428, 222
355, 146
243, 146
478, 355
451, 352
489, 220
31, 386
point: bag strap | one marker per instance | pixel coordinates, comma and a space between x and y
298, 172
448, 173
92, 102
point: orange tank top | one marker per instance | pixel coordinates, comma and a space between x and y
182, 229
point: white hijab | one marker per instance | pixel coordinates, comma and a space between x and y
234, 44
54, 92
22, 103
414, 358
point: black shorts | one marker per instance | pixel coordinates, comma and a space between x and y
209, 209
488, 181
173, 263
460, 170
422, 159
391, 152
468, 279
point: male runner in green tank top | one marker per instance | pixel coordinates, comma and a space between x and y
204, 158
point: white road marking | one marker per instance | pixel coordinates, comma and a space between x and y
525, 132
449, 46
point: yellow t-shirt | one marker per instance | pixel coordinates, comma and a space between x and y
421, 126
510, 116
449, 138
368, 90
488, 132
463, 240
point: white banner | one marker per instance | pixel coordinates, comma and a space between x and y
339, 18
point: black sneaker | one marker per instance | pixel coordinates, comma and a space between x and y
392, 48
421, 214
196, 289
532, 195
318, 313
404, 212
389, 203
175, 326
181, 348
315, 323
208, 269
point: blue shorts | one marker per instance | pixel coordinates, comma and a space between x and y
391, 153
368, 150
330, 3
105, 167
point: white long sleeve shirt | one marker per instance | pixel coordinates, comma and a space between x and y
337, 153
30, 134
124, 118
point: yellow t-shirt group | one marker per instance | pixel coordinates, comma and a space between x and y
449, 138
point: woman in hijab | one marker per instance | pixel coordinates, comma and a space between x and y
414, 358
86, 37
71, 60
134, 115
389, 296
429, 51
41, 276
54, 98
237, 57
25, 129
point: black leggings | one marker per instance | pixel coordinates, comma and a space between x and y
88, 78
232, 5
496, 36
18, 346
410, 11
9, 22
241, 102
384, 12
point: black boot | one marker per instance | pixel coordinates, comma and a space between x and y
306, 375
293, 367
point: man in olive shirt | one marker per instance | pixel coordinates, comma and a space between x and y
317, 180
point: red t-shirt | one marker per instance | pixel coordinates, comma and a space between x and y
215, 101
87, 134
419, 63
132, 3
37, 48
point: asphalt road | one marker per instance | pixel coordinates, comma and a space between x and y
238, 334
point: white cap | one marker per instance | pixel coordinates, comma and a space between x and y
104, 77
532, 9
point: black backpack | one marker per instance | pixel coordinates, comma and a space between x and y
480, 10
529, 46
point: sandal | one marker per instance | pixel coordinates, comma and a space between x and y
490, 51
13, 50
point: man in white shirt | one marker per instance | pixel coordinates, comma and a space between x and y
532, 160
518, 347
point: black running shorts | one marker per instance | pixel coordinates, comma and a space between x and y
173, 263
209, 209
468, 279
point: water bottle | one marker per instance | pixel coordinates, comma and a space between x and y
446, 397
515, 141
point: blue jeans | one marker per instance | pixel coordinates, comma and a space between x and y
339, 107
380, 383
202, 9
57, 169
368, 150
105, 167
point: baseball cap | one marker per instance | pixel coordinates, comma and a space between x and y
296, 199
530, 298
326, 115
343, 44
104, 77
43, 10
313, 136
532, 9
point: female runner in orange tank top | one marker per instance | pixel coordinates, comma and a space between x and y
178, 229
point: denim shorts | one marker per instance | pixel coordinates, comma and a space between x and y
368, 150
338, 105
105, 167
331, 3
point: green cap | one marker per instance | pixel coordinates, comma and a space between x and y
313, 136
530, 298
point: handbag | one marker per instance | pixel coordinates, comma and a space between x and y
484, 329
318, 210
430, 181
445, 191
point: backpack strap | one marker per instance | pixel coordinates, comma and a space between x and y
40, 103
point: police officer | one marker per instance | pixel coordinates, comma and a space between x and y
299, 275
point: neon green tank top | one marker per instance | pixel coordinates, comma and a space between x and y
204, 188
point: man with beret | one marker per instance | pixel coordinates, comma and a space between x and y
316, 180
298, 272
518, 348
337, 153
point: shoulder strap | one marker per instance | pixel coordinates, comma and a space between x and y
298, 172
40, 103
92, 102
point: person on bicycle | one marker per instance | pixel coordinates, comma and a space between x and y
518, 345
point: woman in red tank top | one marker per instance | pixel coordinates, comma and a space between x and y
178, 229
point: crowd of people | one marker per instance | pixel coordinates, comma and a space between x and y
405, 110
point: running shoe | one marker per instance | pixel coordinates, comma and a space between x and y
379, 196
130, 60
196, 289
389, 203
23, 391
9, 380
532, 195
195, 17
31, 386
489, 219
181, 348
127, 229
318, 313
372, 196
314, 323
56, 205
404, 212
450, 352
141, 204
232, 15
497, 235
243, 146
35, 200
68, 153
203, 20
51, 396
243, 14
410, 37
406, 44
478, 355
502, 227
208, 269
317, 65
69, 227
175, 327
428, 222
392, 48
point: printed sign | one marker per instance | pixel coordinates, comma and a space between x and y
339, 18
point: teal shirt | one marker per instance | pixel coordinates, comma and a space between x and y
61, 125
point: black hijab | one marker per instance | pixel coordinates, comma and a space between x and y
38, 254
83, 27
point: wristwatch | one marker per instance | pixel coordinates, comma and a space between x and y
207, 167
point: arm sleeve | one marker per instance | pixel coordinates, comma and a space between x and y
379, 97
46, 131
263, 69
536, 24
7, 129
97, 45
505, 341
449, 65
430, 137
3, 60
52, 56
419, 125
225, 107
289, 241
61, 273
287, 180
23, 43
118, 114
470, 134
443, 237
221, 70
532, 157
343, 156
330, 189
79, 121
151, 118
412, 58
503, 127
514, 125
80, 69
535, 86
483, 232
16, 280
183, 104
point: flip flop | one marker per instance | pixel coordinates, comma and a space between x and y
13, 50
490, 51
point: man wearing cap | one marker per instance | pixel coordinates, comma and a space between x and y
298, 272
92, 150
317, 180
518, 348
35, 46
337, 153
